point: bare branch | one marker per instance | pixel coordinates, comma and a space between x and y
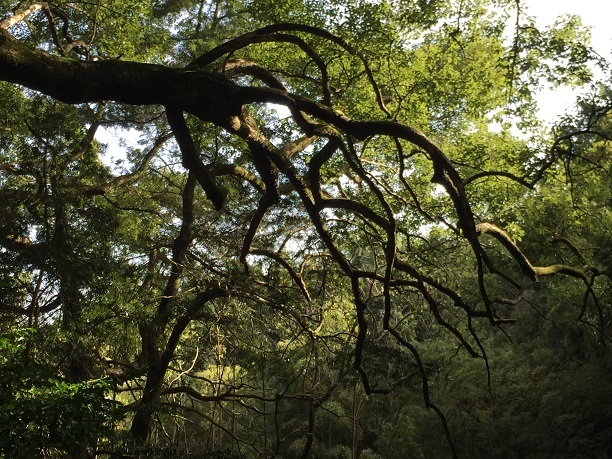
294, 275
133, 176
197, 395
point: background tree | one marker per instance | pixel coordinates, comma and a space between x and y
259, 284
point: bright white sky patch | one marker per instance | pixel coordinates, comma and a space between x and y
595, 14
117, 142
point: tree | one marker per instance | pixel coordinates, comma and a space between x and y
344, 233
42, 414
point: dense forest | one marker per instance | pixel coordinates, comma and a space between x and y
334, 229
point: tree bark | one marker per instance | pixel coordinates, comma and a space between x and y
203, 93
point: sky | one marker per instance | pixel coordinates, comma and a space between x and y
595, 14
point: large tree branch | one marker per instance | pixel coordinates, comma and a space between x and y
22, 15
257, 37
191, 158
266, 34
511, 247
218, 169
209, 96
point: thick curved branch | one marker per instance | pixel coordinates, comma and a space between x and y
191, 159
511, 247
269, 174
362, 331
312, 209
244, 127
528, 269
343, 44
402, 168
533, 272
509, 175
254, 37
246, 67
551, 270
207, 95
316, 162
261, 37
356, 207
234, 67
180, 247
158, 365
86, 142
219, 169
269, 199
22, 15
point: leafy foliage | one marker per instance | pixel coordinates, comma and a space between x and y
321, 280
42, 415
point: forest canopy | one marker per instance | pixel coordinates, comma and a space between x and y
337, 230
